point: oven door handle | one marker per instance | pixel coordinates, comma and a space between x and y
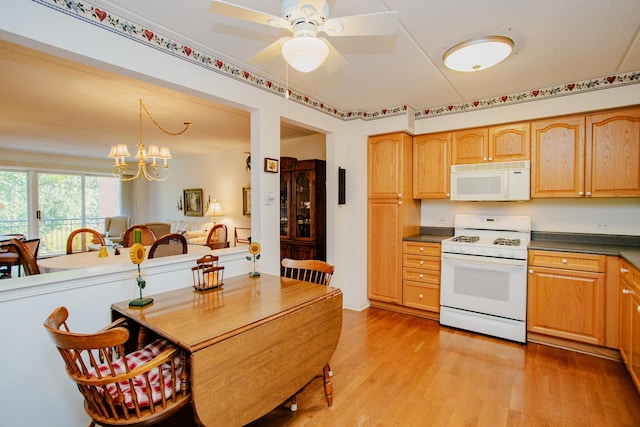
484, 260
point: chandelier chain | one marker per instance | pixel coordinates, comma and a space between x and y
142, 106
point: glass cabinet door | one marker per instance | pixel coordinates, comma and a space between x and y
304, 198
285, 182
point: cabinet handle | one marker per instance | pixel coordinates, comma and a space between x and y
421, 262
420, 296
588, 193
421, 249
564, 261
400, 195
490, 158
530, 271
484, 159
626, 291
580, 193
624, 270
422, 276
638, 308
400, 202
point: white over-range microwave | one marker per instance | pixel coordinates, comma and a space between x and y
494, 181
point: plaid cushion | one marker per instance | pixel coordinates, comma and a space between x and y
138, 358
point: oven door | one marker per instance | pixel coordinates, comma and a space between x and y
493, 286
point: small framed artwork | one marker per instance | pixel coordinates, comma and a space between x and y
270, 165
246, 200
193, 202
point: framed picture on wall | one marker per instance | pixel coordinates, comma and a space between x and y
270, 165
193, 202
246, 200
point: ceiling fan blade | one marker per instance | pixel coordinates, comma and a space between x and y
335, 61
269, 52
238, 12
373, 24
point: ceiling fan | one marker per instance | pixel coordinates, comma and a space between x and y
305, 19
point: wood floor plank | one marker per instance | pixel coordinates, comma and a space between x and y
392, 369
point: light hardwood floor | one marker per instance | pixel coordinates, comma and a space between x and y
392, 369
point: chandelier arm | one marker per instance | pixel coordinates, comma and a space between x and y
142, 106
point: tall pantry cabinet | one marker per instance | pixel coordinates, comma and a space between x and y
392, 213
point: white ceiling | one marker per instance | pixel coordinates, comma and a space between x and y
556, 42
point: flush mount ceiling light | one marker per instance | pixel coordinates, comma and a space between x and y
478, 54
305, 52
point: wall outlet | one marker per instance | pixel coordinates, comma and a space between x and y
603, 226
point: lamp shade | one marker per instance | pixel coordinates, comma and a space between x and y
305, 53
215, 209
478, 54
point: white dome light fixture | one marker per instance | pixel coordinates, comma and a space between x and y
305, 52
478, 54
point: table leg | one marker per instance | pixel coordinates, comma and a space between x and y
328, 386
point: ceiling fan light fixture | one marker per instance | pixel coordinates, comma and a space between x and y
305, 53
478, 54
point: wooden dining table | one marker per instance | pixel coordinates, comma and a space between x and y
252, 343
91, 259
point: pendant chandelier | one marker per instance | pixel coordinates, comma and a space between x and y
147, 160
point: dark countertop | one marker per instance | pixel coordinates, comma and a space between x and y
627, 247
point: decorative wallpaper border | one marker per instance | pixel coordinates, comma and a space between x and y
147, 36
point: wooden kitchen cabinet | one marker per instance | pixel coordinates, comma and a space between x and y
595, 155
630, 320
566, 295
392, 214
613, 153
503, 143
431, 162
421, 275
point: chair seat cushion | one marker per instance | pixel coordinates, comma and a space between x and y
136, 359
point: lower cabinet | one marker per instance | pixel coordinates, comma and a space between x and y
630, 320
566, 295
421, 276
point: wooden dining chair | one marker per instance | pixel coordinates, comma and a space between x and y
26, 257
167, 245
217, 238
80, 239
318, 272
147, 234
241, 235
138, 388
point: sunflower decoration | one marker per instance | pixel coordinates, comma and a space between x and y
136, 254
254, 250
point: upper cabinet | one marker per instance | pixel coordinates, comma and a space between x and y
613, 153
388, 156
502, 143
596, 155
431, 163
557, 157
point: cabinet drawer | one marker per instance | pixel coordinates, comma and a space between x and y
568, 260
421, 275
425, 297
432, 249
421, 261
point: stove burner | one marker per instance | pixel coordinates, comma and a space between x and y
465, 239
506, 242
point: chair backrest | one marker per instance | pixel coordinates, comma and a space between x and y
167, 245
148, 236
159, 228
243, 236
79, 240
28, 261
217, 238
33, 245
115, 384
116, 226
308, 270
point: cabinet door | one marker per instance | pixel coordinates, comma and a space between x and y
285, 203
626, 305
469, 146
385, 250
303, 204
510, 142
613, 153
634, 368
566, 304
431, 166
386, 165
557, 157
